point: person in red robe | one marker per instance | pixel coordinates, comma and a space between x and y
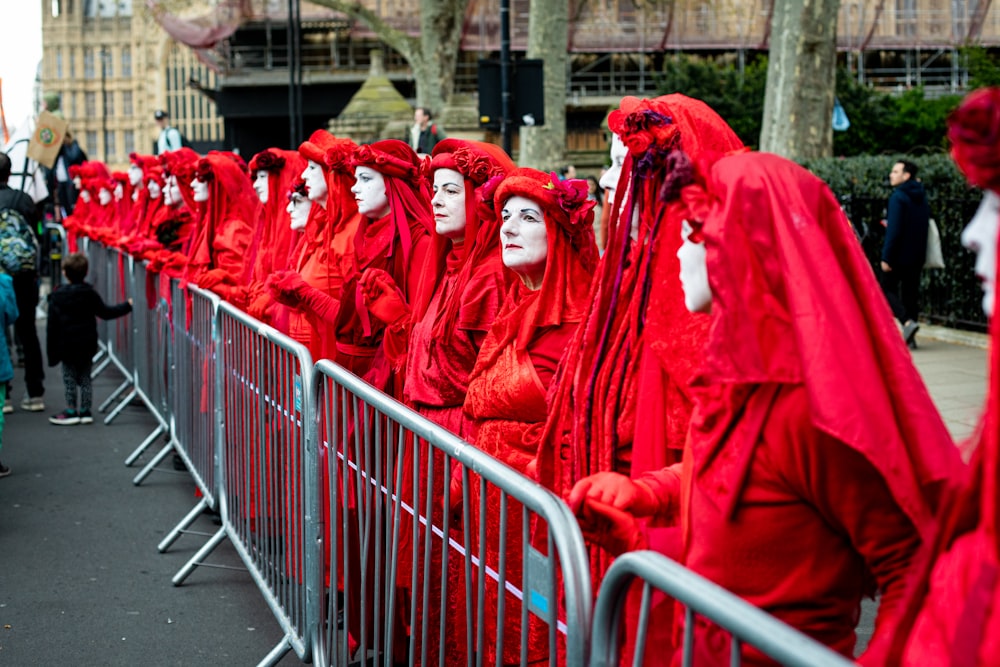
446, 327
547, 242
228, 214
323, 257
807, 482
174, 226
953, 608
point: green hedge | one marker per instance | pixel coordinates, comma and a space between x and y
951, 296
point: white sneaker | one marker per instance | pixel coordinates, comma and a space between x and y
8, 407
36, 404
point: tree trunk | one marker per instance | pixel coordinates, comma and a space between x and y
432, 57
548, 31
801, 77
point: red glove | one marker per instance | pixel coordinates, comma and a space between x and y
288, 288
611, 529
384, 299
616, 491
234, 294
158, 259
260, 307
210, 279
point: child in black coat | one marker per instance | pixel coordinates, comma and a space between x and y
72, 335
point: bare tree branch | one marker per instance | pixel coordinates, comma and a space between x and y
408, 47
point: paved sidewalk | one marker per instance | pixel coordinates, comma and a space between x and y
81, 580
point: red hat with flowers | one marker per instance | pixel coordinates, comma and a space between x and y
316, 146
389, 157
269, 159
974, 133
565, 202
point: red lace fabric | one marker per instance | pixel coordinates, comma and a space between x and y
786, 438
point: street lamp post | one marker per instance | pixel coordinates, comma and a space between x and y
104, 101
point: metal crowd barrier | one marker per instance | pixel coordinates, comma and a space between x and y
428, 533
117, 286
745, 623
192, 409
97, 258
268, 484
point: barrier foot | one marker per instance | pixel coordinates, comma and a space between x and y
160, 430
185, 523
114, 395
277, 653
121, 406
162, 454
203, 553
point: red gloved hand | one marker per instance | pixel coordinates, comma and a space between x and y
234, 294
260, 307
158, 259
384, 299
610, 528
210, 279
284, 287
614, 490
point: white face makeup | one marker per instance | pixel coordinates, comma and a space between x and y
694, 273
524, 240
172, 193
298, 210
78, 183
119, 191
449, 204
134, 174
315, 180
85, 195
199, 190
154, 190
369, 192
980, 236
609, 181
104, 196
260, 183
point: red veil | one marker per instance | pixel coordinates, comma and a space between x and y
271, 245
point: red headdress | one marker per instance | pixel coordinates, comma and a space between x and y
181, 164
793, 296
477, 162
271, 245
409, 202
569, 267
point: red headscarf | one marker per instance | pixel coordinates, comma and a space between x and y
230, 213
598, 377
181, 164
409, 200
272, 242
477, 162
795, 301
570, 263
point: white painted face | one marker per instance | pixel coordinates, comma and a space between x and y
172, 193
315, 180
449, 204
119, 191
524, 246
134, 174
85, 195
369, 192
298, 210
694, 273
980, 236
154, 190
200, 190
78, 183
260, 185
609, 180
104, 196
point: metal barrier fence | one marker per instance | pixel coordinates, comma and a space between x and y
192, 413
746, 623
151, 324
268, 484
428, 533
99, 265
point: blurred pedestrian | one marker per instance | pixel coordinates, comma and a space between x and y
905, 249
8, 313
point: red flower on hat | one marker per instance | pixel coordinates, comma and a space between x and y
204, 171
571, 197
298, 188
642, 126
268, 161
974, 132
476, 166
338, 157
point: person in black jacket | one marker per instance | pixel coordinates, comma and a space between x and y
72, 335
905, 249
